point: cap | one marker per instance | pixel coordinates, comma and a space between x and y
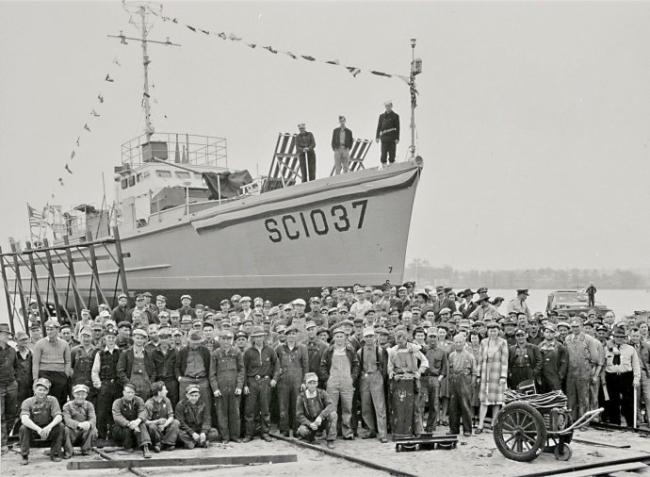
257, 331
183, 297
140, 332
21, 335
311, 377
520, 332
193, 389
227, 334
382, 331
42, 382
445, 311
388, 102
241, 334
369, 331
522, 291
86, 330
196, 337
122, 295
245, 298
310, 324
291, 329
563, 323
80, 387
619, 332
337, 329
299, 301
598, 328
124, 324
301, 125
52, 323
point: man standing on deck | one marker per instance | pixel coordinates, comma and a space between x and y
591, 294
341, 145
305, 145
388, 133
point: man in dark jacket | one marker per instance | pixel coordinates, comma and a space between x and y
341, 145
388, 133
194, 419
315, 412
372, 381
554, 362
524, 361
305, 148
121, 312
136, 366
130, 416
193, 367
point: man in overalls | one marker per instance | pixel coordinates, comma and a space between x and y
107, 384
80, 422
165, 358
136, 365
227, 381
524, 361
83, 357
293, 360
584, 367
554, 361
462, 373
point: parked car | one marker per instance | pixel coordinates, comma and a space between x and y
572, 302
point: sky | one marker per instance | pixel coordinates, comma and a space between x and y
533, 117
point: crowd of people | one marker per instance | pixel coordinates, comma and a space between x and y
357, 362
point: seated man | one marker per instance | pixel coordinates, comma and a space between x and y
162, 426
315, 412
129, 416
40, 416
194, 419
80, 422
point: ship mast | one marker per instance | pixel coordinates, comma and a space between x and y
416, 69
144, 40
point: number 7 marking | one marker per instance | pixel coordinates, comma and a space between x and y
363, 204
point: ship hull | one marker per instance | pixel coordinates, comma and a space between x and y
341, 230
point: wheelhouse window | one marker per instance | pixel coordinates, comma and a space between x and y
183, 175
163, 174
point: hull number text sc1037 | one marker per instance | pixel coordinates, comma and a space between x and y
315, 222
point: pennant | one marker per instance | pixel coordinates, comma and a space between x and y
205, 31
353, 70
406, 79
72, 155
333, 62
308, 58
222, 35
191, 28
67, 168
291, 55
87, 128
381, 73
78, 137
175, 20
100, 98
251, 45
109, 79
61, 181
270, 49
95, 113
116, 62
233, 37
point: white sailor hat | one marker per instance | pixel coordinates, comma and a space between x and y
388, 102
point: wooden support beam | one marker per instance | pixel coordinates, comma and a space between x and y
601, 443
16, 271
8, 300
42, 308
183, 461
120, 258
50, 272
93, 267
78, 300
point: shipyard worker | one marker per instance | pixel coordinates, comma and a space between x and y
591, 294
373, 362
163, 428
85, 321
524, 361
136, 366
339, 370
23, 372
121, 311
193, 367
52, 360
341, 145
186, 306
41, 417
622, 375
315, 347
305, 145
130, 415
293, 360
518, 304
432, 378
585, 365
462, 371
106, 382
80, 422
315, 412
8, 384
554, 361
142, 311
82, 358
164, 357
194, 419
388, 133
227, 382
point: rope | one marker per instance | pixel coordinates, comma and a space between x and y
542, 402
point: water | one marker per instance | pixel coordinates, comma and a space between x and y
623, 302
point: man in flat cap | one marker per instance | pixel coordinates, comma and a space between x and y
136, 366
41, 417
130, 416
341, 145
52, 360
121, 312
164, 357
105, 381
293, 360
315, 412
388, 133
305, 148
373, 380
622, 375
194, 419
8, 384
83, 357
227, 381
186, 306
554, 361
524, 361
80, 422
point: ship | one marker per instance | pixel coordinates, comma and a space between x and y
183, 222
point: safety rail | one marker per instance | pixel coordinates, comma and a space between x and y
182, 148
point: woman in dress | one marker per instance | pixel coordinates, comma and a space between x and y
493, 366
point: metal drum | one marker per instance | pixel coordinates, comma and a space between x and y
402, 407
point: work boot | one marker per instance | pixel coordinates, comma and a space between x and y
266, 437
156, 448
55, 458
145, 452
330, 444
285, 433
247, 439
24, 460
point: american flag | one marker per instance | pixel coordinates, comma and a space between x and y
35, 217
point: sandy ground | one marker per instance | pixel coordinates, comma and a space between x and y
476, 455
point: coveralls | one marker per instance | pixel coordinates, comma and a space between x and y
584, 357
293, 363
124, 412
226, 375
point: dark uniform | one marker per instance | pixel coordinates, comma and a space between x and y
124, 412
554, 366
161, 410
293, 363
226, 375
192, 418
388, 134
82, 365
260, 367
524, 363
307, 158
109, 388
165, 362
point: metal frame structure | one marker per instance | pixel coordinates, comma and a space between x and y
14, 263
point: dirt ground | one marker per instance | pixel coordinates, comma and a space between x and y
476, 455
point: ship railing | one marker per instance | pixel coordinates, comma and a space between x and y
181, 148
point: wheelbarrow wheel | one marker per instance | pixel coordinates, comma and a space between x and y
562, 451
519, 432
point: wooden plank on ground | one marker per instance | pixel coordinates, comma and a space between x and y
601, 443
180, 461
605, 470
